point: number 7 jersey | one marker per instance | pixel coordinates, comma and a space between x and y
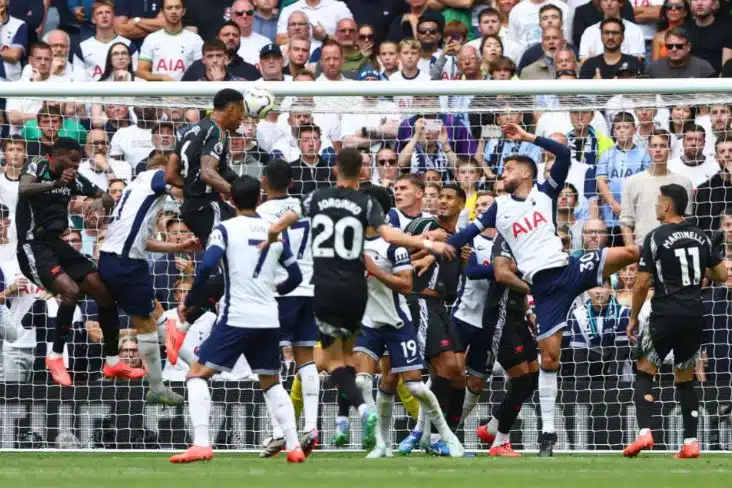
338, 219
677, 255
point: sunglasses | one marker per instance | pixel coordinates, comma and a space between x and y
241, 13
384, 162
672, 47
365, 37
675, 6
428, 31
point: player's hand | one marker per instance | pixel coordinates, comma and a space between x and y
514, 132
183, 265
421, 265
93, 331
465, 253
444, 249
419, 128
67, 176
436, 235
189, 245
631, 330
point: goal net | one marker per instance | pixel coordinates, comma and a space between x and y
444, 131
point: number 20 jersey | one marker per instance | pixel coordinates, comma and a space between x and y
677, 255
338, 219
298, 237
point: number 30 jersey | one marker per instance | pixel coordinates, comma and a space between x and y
298, 237
338, 219
677, 255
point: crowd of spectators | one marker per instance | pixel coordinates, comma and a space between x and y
623, 149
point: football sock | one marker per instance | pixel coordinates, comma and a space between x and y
421, 416
547, 399
643, 396
431, 407
64, 316
346, 385
442, 388
411, 405
149, 349
199, 406
519, 390
296, 396
365, 383
310, 381
492, 425
109, 322
385, 408
280, 408
455, 410
500, 439
689, 408
471, 399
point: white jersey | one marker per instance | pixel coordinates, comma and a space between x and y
249, 274
9, 193
472, 294
400, 220
299, 238
135, 215
19, 305
13, 33
91, 57
171, 54
384, 306
197, 334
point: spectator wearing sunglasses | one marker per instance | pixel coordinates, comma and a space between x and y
354, 60
674, 13
679, 63
242, 13
387, 169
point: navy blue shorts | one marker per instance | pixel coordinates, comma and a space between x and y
401, 344
223, 347
297, 322
130, 283
555, 289
479, 357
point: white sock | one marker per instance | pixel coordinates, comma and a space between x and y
199, 406
112, 360
644, 431
428, 402
365, 383
276, 429
385, 408
55, 355
471, 399
310, 395
149, 349
280, 407
689, 440
493, 426
422, 417
500, 439
547, 399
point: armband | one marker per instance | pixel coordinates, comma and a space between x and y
428, 245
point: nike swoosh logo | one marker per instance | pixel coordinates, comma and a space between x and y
410, 361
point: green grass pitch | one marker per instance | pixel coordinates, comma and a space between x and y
351, 470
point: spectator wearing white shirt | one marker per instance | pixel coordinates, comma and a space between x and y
21, 110
91, 55
489, 24
168, 53
61, 70
98, 167
633, 43
409, 56
14, 157
298, 25
692, 162
429, 35
323, 16
14, 39
523, 21
287, 147
134, 142
242, 12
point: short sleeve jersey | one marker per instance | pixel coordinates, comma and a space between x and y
206, 138
443, 276
501, 299
677, 255
339, 218
46, 214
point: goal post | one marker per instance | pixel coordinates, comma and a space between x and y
595, 410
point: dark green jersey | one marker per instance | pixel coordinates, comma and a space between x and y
443, 276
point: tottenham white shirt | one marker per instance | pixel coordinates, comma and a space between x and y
13, 33
91, 57
384, 306
472, 294
171, 54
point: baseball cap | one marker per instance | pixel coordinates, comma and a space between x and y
270, 49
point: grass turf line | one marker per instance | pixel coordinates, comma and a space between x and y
107, 470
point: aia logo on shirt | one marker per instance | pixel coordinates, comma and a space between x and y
98, 71
170, 65
528, 224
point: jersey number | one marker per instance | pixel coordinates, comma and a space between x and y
409, 348
303, 225
184, 158
684, 263
323, 229
262, 256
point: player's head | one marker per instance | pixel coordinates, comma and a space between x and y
408, 191
245, 192
452, 201
277, 176
518, 169
348, 164
229, 103
381, 195
672, 202
66, 153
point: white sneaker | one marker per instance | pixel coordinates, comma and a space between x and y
380, 451
453, 444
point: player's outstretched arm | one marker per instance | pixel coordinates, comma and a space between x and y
172, 172
400, 281
486, 220
287, 220
399, 238
558, 174
503, 268
29, 186
188, 245
475, 271
210, 175
717, 273
294, 275
640, 293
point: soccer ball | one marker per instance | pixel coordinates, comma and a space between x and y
259, 102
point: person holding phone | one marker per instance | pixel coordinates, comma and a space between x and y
446, 66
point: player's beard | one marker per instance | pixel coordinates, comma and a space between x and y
510, 186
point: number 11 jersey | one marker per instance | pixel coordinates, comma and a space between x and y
677, 255
338, 219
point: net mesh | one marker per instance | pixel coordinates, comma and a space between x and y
594, 409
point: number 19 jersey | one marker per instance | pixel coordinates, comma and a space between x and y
339, 218
677, 255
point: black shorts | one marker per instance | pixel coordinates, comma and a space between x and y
435, 332
42, 261
667, 333
201, 216
339, 310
